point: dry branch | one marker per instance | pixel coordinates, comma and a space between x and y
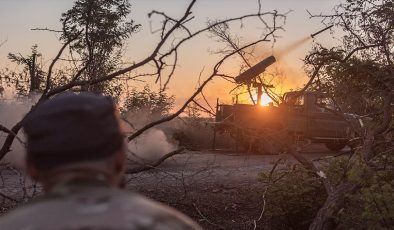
8, 198
157, 57
10, 132
325, 218
191, 98
146, 167
47, 29
59, 54
366, 32
206, 219
9, 139
210, 112
270, 176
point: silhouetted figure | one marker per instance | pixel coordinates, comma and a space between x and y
76, 149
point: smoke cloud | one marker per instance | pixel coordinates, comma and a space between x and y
149, 147
11, 112
152, 144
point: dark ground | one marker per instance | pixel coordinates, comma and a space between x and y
219, 189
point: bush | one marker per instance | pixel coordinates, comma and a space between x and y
148, 102
372, 206
295, 194
293, 198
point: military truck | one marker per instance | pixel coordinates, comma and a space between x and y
301, 116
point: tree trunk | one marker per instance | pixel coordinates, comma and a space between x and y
34, 76
325, 218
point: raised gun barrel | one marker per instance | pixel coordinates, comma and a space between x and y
247, 76
321, 31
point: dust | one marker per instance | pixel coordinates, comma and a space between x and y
12, 110
152, 144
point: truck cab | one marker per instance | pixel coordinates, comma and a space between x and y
301, 115
314, 116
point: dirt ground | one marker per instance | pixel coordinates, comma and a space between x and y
219, 189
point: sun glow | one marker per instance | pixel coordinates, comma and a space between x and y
265, 100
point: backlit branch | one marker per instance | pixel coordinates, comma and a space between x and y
153, 165
163, 56
10, 132
59, 54
191, 98
326, 60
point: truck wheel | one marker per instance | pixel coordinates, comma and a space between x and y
335, 145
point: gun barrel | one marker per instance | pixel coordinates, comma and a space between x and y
321, 31
255, 70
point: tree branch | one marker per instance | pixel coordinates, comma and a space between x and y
155, 164
191, 98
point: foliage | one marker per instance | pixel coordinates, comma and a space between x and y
295, 194
368, 22
15, 80
147, 101
82, 33
358, 75
366, 80
30, 79
98, 30
373, 204
105, 25
293, 197
103, 21
368, 72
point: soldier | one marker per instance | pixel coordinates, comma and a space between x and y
76, 150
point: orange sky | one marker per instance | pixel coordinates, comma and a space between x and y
194, 56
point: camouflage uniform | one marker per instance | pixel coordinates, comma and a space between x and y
94, 206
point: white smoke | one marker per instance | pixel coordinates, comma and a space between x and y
150, 146
11, 112
153, 143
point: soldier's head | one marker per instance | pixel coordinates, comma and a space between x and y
75, 136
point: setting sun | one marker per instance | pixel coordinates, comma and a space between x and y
265, 100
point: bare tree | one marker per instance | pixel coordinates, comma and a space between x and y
163, 57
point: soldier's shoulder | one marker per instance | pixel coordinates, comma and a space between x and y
115, 207
156, 215
24, 215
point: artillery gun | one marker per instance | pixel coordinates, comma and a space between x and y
301, 116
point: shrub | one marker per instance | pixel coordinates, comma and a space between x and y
295, 194
293, 198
